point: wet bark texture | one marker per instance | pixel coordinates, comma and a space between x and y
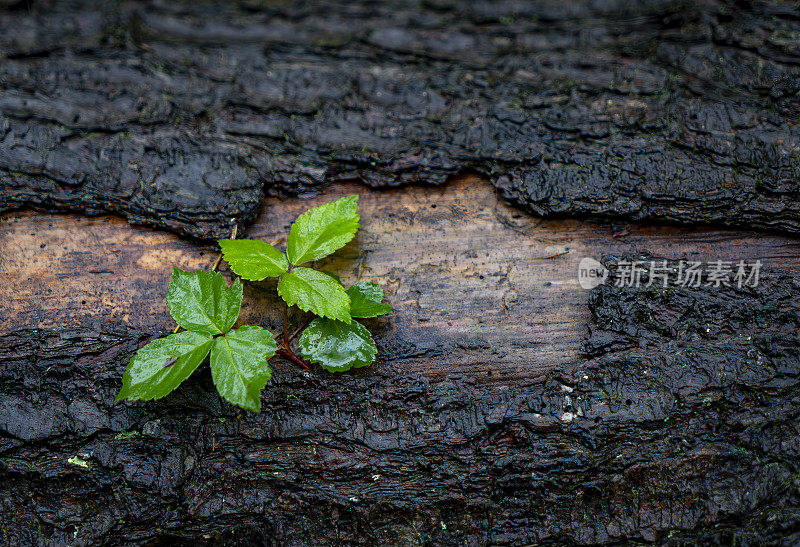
678, 423
681, 425
181, 115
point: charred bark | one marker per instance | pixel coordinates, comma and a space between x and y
182, 115
680, 426
679, 423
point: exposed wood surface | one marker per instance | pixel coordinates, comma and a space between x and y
467, 274
682, 427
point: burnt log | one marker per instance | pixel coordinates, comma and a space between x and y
675, 435
183, 115
508, 405
672, 419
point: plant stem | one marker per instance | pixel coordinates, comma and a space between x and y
300, 329
219, 258
284, 348
289, 354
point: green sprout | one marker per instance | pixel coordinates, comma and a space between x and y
206, 308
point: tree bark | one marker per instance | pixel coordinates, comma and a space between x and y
181, 116
677, 428
485, 422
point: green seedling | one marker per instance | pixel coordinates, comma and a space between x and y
203, 304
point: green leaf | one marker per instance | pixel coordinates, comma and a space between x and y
315, 291
333, 275
366, 300
253, 259
202, 302
321, 230
337, 346
160, 366
239, 365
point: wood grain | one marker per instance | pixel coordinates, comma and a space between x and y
472, 291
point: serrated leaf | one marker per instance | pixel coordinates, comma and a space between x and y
239, 365
202, 302
253, 259
161, 366
321, 230
337, 346
366, 300
316, 292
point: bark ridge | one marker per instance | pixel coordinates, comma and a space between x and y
181, 115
